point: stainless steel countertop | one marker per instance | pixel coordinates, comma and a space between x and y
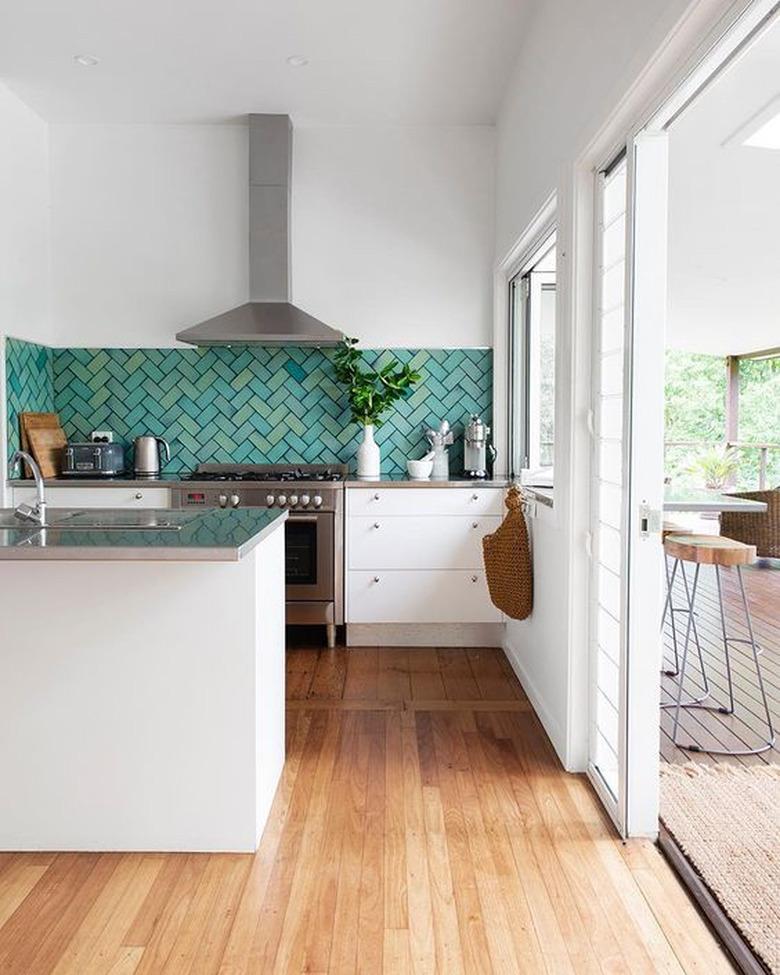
164, 481
122, 535
174, 480
403, 481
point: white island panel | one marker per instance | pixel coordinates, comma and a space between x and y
141, 703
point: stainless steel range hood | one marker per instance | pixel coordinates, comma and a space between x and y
268, 318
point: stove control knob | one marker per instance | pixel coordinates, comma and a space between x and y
305, 499
293, 500
235, 500
269, 500
317, 501
282, 500
222, 500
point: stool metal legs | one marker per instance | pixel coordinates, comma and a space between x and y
727, 641
672, 609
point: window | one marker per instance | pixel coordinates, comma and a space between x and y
532, 358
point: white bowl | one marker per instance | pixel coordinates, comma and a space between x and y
419, 470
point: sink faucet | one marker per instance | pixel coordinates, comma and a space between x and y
37, 512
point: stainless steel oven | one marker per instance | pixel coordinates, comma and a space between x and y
313, 496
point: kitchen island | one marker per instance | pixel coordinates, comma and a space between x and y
141, 679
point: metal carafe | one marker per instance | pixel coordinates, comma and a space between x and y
147, 455
476, 447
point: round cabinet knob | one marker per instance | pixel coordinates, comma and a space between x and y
376, 497
475, 524
293, 500
235, 500
376, 578
376, 524
222, 500
475, 578
269, 500
317, 501
305, 499
475, 497
139, 496
282, 500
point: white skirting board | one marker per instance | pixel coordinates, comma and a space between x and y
551, 726
425, 634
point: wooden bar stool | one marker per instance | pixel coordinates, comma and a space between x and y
719, 552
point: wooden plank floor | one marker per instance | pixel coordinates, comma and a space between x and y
745, 727
423, 824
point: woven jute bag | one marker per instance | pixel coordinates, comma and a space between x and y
507, 558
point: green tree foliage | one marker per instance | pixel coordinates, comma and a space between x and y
696, 411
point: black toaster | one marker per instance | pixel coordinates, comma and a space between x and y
93, 460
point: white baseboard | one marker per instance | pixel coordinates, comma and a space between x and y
551, 726
425, 634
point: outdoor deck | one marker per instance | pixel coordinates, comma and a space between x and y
706, 728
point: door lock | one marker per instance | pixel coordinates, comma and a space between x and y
649, 520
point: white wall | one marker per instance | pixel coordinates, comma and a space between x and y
392, 230
24, 236
24, 221
149, 229
578, 59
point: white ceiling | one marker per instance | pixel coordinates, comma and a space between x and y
724, 215
408, 61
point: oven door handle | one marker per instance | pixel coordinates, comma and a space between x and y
310, 519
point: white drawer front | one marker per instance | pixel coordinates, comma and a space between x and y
369, 502
410, 596
108, 497
417, 542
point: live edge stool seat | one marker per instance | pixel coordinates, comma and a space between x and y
721, 553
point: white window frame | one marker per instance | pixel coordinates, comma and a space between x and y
523, 444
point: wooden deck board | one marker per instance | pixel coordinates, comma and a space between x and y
423, 823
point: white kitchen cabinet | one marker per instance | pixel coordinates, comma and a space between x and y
97, 497
414, 555
420, 596
418, 542
370, 502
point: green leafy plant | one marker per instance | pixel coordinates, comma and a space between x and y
715, 468
371, 392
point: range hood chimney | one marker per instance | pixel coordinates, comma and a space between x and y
268, 318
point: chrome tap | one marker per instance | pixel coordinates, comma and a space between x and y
37, 512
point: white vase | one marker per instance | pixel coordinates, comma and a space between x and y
368, 456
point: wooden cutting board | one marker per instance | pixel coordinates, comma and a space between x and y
46, 445
35, 421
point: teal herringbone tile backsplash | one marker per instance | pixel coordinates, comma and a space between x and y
259, 405
29, 384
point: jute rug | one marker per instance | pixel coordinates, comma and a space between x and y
726, 819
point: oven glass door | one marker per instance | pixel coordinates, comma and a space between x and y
309, 567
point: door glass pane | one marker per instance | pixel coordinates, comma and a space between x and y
608, 515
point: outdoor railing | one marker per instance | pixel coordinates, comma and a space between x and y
762, 448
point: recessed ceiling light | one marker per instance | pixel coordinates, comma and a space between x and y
297, 61
766, 136
761, 131
86, 60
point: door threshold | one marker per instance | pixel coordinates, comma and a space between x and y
732, 940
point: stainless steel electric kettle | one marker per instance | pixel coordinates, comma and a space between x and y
147, 455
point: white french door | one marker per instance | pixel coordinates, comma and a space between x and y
626, 423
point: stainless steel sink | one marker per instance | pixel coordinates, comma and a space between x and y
9, 519
110, 519
113, 519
